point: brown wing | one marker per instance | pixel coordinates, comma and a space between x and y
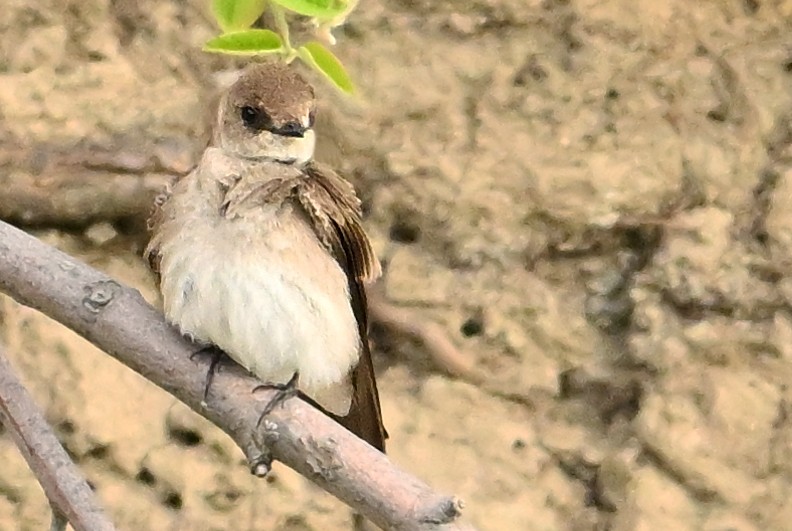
334, 209
155, 219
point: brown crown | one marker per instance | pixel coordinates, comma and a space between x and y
275, 88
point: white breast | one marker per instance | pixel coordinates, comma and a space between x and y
267, 293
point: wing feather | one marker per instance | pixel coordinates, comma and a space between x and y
155, 220
334, 210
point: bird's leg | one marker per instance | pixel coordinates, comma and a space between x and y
216, 356
285, 391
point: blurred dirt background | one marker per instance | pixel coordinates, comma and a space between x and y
590, 199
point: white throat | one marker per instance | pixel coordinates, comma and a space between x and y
302, 149
266, 145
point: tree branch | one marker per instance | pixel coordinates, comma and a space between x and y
64, 185
117, 319
67, 490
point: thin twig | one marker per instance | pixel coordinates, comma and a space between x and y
67, 490
433, 337
439, 346
117, 319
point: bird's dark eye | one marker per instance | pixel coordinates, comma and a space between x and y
254, 118
249, 115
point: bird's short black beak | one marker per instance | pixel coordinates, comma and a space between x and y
294, 129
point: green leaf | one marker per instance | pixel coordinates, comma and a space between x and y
323, 60
315, 8
235, 15
248, 42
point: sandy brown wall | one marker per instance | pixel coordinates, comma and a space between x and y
591, 198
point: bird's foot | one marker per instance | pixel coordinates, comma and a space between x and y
216, 356
285, 391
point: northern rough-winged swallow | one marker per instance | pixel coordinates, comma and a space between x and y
261, 252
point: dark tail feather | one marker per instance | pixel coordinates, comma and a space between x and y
365, 417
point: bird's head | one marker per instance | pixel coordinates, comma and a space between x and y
268, 113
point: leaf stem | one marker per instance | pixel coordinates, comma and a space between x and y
282, 25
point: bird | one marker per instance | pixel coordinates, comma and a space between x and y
260, 252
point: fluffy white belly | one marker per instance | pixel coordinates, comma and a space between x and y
275, 301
